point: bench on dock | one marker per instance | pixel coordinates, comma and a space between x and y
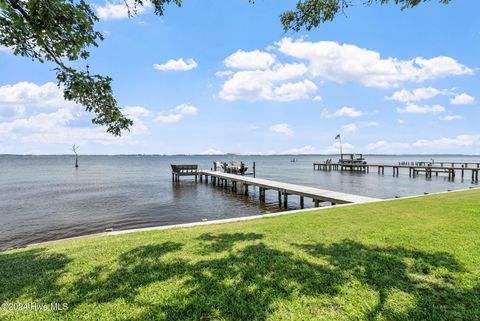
184, 170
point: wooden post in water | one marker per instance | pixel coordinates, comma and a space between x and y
253, 169
74, 149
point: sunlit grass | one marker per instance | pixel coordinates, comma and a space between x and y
412, 259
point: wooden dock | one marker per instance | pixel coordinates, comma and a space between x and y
242, 183
414, 169
184, 170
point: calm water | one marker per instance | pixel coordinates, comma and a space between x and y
46, 198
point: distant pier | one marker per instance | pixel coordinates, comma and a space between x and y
414, 168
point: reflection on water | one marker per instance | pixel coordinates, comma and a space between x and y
45, 197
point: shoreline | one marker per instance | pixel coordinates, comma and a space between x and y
228, 220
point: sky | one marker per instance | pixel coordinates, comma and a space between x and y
223, 77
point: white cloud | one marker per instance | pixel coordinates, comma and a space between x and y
317, 98
251, 60
371, 124
438, 67
293, 91
259, 75
459, 140
441, 144
384, 146
212, 151
347, 112
270, 84
136, 111
119, 10
26, 93
350, 128
416, 109
329, 150
177, 65
462, 99
332, 61
335, 148
48, 127
308, 149
415, 94
49, 117
55, 128
283, 129
451, 117
52, 128
11, 111
224, 73
39, 122
401, 121
5, 49
186, 109
342, 112
177, 114
78, 135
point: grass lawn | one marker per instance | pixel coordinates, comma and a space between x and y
412, 259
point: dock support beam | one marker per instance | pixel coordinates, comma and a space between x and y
302, 205
262, 194
285, 200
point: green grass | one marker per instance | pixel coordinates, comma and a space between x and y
412, 259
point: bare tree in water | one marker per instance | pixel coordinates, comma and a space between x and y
74, 149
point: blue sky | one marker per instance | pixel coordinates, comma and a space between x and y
209, 78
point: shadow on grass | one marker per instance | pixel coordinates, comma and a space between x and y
32, 272
428, 277
211, 243
240, 285
238, 277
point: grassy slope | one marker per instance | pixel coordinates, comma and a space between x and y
409, 259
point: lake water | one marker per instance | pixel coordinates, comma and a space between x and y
46, 198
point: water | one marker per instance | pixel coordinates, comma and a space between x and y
45, 198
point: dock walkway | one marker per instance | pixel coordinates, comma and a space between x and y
284, 189
413, 170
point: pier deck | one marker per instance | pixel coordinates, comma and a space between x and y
284, 189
